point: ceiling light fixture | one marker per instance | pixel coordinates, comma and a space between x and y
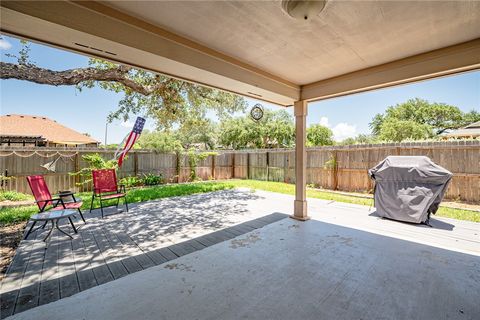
303, 9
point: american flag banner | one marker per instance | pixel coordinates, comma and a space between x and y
130, 140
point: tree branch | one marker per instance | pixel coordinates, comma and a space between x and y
75, 76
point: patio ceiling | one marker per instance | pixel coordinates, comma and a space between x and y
255, 49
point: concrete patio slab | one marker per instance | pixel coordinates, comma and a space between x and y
150, 234
345, 263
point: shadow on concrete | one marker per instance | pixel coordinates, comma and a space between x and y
435, 223
39, 293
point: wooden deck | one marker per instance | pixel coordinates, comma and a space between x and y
107, 249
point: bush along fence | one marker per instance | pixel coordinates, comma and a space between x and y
341, 168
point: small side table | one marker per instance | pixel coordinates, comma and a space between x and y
68, 196
54, 217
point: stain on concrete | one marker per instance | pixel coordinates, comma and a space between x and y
294, 226
430, 256
179, 266
344, 240
244, 242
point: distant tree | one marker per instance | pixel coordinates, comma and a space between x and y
274, 130
437, 116
400, 130
195, 132
159, 141
278, 129
318, 135
365, 138
115, 146
360, 139
471, 117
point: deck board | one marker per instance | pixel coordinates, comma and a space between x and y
104, 250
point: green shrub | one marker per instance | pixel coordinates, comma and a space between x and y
152, 179
95, 162
131, 181
13, 196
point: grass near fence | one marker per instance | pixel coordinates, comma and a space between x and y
12, 215
286, 188
17, 214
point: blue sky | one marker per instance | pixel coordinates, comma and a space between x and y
87, 111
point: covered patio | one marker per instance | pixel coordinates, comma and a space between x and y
344, 263
257, 49
234, 255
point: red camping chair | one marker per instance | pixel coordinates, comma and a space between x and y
105, 187
45, 201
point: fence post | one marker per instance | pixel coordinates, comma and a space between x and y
335, 170
177, 165
268, 165
135, 164
248, 165
213, 166
76, 178
233, 165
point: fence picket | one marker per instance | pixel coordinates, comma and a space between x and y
340, 167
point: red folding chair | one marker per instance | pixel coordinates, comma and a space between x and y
105, 187
45, 201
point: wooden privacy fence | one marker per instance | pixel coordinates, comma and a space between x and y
21, 162
337, 168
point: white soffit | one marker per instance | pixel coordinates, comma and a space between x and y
254, 49
347, 36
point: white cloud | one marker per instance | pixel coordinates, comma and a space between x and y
324, 122
127, 124
341, 131
4, 44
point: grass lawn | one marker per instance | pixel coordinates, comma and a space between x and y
13, 215
18, 214
285, 188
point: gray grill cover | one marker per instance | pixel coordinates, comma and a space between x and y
408, 188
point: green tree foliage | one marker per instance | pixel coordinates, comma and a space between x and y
168, 101
274, 130
437, 117
195, 134
95, 162
159, 141
471, 117
318, 135
400, 130
360, 139
198, 133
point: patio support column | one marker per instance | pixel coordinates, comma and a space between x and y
300, 205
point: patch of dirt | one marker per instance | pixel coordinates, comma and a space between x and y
11, 235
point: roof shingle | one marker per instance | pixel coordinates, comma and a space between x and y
28, 125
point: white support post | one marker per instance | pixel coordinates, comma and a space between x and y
300, 205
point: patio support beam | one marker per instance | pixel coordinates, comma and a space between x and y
300, 205
437, 63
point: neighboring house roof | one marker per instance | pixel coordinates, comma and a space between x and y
474, 125
16, 125
472, 130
